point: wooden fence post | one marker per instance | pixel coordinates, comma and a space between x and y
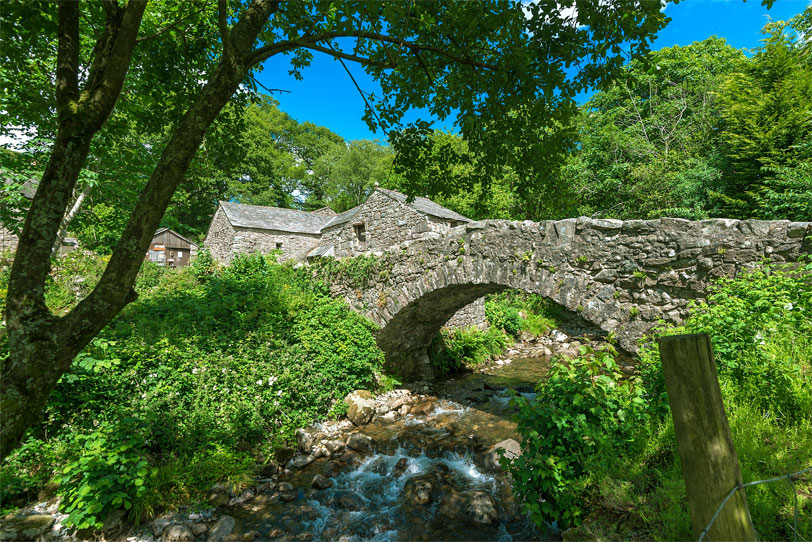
710, 465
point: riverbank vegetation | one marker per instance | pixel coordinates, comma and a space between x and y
599, 447
198, 382
509, 315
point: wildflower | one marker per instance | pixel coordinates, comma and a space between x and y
271, 380
259, 382
788, 306
194, 370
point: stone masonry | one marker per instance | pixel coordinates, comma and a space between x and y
621, 276
8, 240
386, 221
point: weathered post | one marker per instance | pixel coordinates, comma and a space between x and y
710, 465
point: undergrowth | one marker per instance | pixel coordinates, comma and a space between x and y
599, 449
197, 382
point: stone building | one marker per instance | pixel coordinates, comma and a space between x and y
242, 229
385, 219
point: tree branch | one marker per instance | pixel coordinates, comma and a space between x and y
346, 56
67, 59
114, 52
363, 96
168, 27
269, 50
222, 25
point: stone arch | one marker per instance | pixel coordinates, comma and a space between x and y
623, 277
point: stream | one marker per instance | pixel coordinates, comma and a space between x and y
427, 475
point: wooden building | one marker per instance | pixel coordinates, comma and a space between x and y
170, 249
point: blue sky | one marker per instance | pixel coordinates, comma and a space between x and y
326, 95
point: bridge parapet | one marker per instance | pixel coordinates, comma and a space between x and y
623, 276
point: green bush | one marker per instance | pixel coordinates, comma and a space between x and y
515, 311
466, 347
110, 472
760, 325
504, 317
584, 409
575, 465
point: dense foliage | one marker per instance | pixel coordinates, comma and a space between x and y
701, 130
584, 408
209, 366
601, 445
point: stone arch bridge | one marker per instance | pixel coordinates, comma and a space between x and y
623, 276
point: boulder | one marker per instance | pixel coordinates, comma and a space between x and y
177, 533
269, 469
418, 490
287, 492
400, 467
361, 407
351, 502
218, 496
509, 447
360, 442
300, 461
422, 408
320, 481
335, 447
18, 528
221, 529
159, 524
481, 508
199, 528
285, 454
304, 441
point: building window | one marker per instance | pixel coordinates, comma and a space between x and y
360, 232
278, 245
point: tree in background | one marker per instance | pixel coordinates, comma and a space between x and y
349, 172
767, 114
649, 143
447, 162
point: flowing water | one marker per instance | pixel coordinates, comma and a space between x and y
427, 477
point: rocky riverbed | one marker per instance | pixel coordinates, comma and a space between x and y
411, 464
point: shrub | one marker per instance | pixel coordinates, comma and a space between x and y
109, 472
504, 317
208, 360
584, 408
760, 325
466, 347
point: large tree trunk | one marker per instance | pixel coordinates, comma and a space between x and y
41, 345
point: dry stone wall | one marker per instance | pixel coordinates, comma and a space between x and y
621, 276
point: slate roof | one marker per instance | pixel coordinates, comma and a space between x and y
425, 206
421, 205
291, 220
273, 218
342, 218
320, 250
28, 189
